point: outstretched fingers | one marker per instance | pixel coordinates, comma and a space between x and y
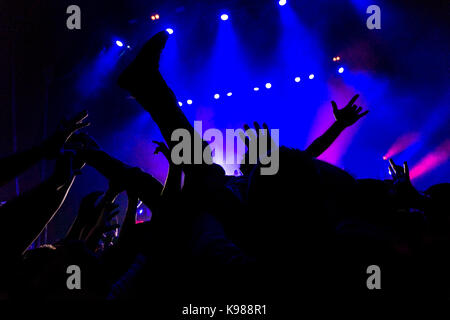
363, 114
352, 100
406, 169
392, 167
334, 106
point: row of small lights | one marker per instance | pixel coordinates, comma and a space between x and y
268, 85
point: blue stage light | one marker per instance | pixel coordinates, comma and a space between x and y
216, 96
189, 101
180, 103
268, 85
311, 76
169, 30
282, 2
224, 17
341, 69
229, 94
256, 89
297, 79
119, 43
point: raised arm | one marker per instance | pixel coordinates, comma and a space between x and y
17, 163
121, 175
344, 118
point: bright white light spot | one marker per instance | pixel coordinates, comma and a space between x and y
169, 30
311, 76
282, 2
119, 43
341, 69
189, 101
180, 103
297, 79
268, 85
216, 96
256, 89
224, 17
229, 94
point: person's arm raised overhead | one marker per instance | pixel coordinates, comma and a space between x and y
405, 194
344, 118
252, 140
15, 164
121, 175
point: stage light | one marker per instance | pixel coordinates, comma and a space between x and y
384, 158
432, 160
119, 43
334, 58
141, 211
255, 89
282, 2
224, 17
180, 103
216, 96
156, 16
229, 94
189, 101
153, 18
169, 30
268, 85
402, 143
338, 58
311, 76
128, 47
341, 69
297, 79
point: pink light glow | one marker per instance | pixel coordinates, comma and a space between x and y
432, 160
401, 144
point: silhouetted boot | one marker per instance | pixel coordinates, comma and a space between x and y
143, 72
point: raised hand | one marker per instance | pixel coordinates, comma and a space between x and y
52, 146
348, 115
405, 193
252, 137
399, 173
82, 142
